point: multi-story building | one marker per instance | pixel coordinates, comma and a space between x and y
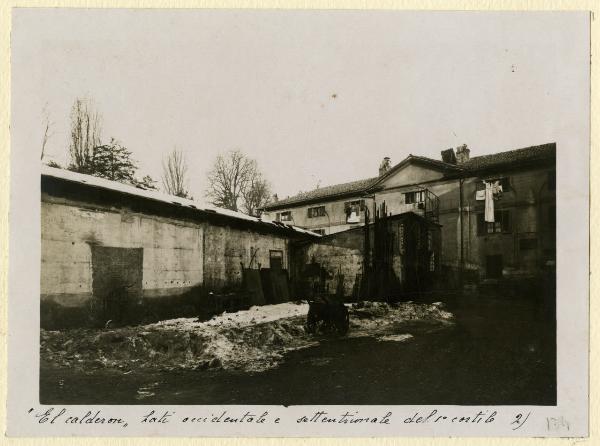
519, 242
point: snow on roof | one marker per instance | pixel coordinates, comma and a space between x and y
103, 183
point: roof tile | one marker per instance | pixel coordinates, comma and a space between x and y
327, 191
527, 154
534, 153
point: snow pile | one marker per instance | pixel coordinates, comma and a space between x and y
252, 340
395, 338
254, 315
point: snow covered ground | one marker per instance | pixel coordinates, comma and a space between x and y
251, 341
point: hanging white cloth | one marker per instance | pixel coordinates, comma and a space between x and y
489, 202
496, 189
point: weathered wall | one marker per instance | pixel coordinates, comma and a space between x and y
226, 249
530, 201
334, 221
181, 260
410, 265
341, 254
448, 193
172, 252
412, 174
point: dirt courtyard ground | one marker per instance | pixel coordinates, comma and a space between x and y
470, 351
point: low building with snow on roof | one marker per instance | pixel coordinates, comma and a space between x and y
113, 252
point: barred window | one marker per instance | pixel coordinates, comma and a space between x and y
500, 224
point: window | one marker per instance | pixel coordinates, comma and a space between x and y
500, 224
552, 180
352, 209
276, 259
505, 183
318, 211
526, 244
414, 197
284, 216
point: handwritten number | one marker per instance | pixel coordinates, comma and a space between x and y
519, 421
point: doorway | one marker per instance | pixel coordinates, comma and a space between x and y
276, 259
116, 282
494, 267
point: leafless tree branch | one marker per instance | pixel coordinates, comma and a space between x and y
85, 134
174, 177
47, 125
235, 181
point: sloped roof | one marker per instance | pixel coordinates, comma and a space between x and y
354, 187
326, 192
436, 164
172, 200
528, 154
477, 163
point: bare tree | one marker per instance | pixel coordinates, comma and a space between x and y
235, 179
47, 124
85, 134
257, 195
174, 174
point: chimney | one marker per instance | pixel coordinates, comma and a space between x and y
275, 198
448, 156
385, 166
462, 154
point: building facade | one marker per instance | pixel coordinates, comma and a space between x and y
111, 251
391, 258
520, 242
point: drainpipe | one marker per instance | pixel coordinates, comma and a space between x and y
328, 219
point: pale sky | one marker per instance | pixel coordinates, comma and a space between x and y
314, 96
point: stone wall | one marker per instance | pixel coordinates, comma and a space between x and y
227, 249
339, 256
531, 241
178, 260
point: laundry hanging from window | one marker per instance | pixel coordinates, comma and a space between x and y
492, 192
489, 203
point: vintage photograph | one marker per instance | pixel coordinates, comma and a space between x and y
298, 208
